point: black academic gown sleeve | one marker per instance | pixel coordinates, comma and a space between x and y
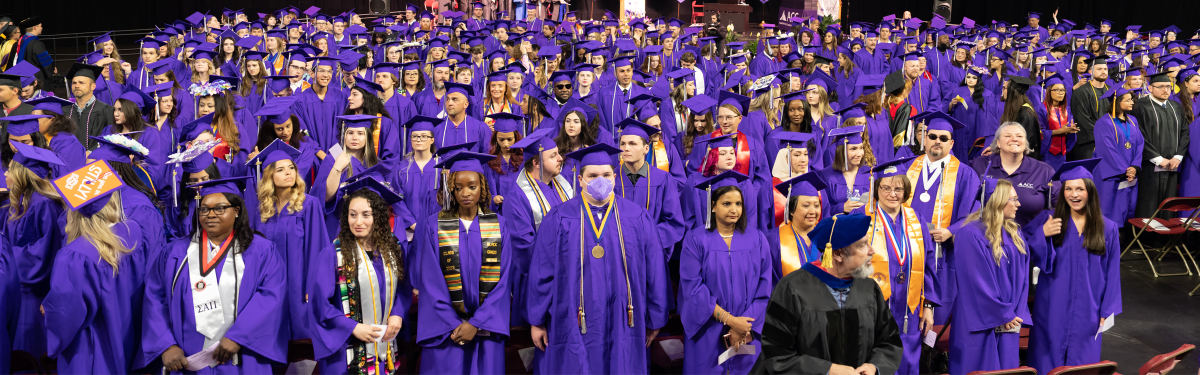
1033, 131
798, 337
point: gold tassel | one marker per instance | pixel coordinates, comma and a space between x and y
827, 258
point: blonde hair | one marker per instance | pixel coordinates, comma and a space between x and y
823, 107
766, 103
992, 217
266, 193
97, 230
196, 75
25, 183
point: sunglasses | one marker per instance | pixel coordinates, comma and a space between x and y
943, 138
562, 86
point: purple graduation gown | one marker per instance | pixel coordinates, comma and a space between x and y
989, 297
317, 115
1031, 181
441, 355
167, 317
519, 226
612, 105
469, 130
1075, 289
553, 294
1189, 178
331, 206
35, 238
93, 314
502, 183
710, 274
150, 221
70, 151
836, 187
332, 330
420, 186
658, 195
297, 237
9, 289
1117, 204
910, 336
428, 104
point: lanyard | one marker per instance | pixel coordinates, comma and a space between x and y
1123, 126
898, 248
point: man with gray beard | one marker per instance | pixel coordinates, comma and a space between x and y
853, 332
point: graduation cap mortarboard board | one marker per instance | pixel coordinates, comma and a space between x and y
276, 151
892, 168
893, 82
357, 121
598, 154
466, 90
819, 78
466, 161
574, 104
852, 111
937, 120
634, 127
506, 122
1074, 170
144, 102
1159, 77
369, 86
161, 67
536, 142
562, 75
849, 135
700, 104
742, 103
220, 186
45, 104
792, 139
805, 185
422, 123
727, 178
84, 70
280, 83
87, 190
195, 128
24, 124
277, 110
1021, 80
117, 148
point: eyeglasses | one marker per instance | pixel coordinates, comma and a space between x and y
888, 190
422, 137
1160, 87
943, 138
219, 210
560, 87
1058, 90
727, 118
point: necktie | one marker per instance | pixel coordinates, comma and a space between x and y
633, 178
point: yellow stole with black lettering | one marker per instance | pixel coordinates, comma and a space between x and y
881, 238
943, 208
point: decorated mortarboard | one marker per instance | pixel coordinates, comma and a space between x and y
118, 148
1074, 170
892, 168
357, 121
24, 124
86, 190
220, 186
45, 104
805, 185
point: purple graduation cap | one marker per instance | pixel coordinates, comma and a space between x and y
277, 110
24, 124
700, 104
535, 143
634, 127
1074, 170
805, 185
452, 87
279, 83
892, 168
276, 151
45, 104
466, 161
850, 135
507, 122
938, 120
38, 160
371, 182
597, 154
191, 130
852, 111
144, 102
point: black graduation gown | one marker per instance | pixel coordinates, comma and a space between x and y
90, 121
802, 334
1087, 108
1028, 119
1166, 135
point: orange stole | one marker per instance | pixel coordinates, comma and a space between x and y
743, 151
789, 252
943, 209
916, 277
661, 160
375, 132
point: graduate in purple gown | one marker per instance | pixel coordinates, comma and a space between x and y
647, 185
417, 177
1119, 145
1188, 81
385, 129
694, 202
430, 102
599, 286
94, 308
226, 297
903, 251
10, 287
1058, 130
35, 234
502, 172
850, 159
613, 100
538, 188
725, 281
463, 256
67, 147
1079, 287
458, 127
360, 294
992, 301
279, 122
317, 106
126, 158
141, 76
356, 159
293, 221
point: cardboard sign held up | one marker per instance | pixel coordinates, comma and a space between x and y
88, 183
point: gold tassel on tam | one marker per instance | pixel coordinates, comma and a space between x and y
827, 258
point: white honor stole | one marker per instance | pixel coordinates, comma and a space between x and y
214, 301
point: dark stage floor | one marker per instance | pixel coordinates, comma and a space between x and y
1158, 316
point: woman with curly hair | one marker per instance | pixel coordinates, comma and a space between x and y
293, 221
463, 256
188, 305
361, 289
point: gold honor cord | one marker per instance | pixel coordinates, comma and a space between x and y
624, 263
386, 314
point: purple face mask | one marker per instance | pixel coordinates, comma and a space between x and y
600, 188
